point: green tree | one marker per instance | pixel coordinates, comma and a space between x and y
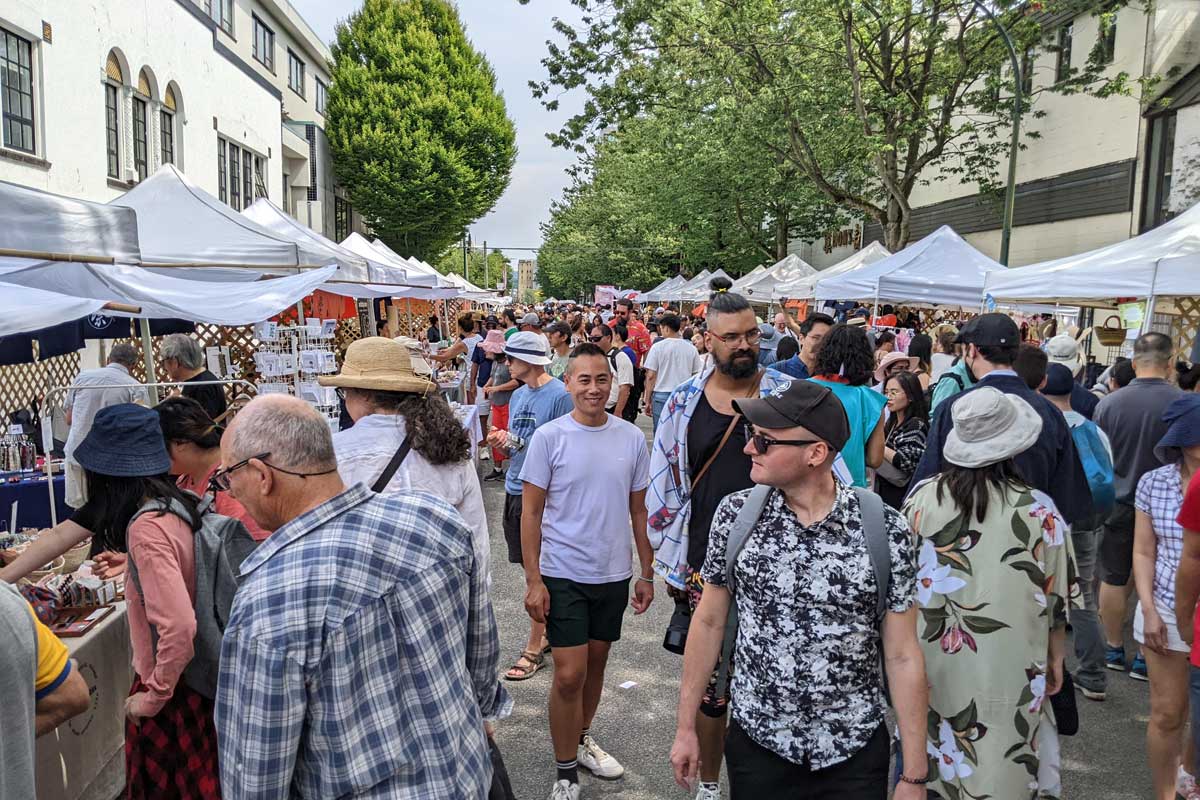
498, 264
865, 99
419, 135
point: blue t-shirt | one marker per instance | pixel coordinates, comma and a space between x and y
485, 366
863, 407
529, 409
792, 366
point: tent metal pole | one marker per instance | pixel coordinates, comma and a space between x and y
148, 359
299, 312
875, 313
371, 320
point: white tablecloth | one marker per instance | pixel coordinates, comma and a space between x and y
85, 756
469, 417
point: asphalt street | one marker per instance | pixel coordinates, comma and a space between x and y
1105, 761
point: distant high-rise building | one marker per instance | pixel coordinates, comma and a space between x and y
526, 279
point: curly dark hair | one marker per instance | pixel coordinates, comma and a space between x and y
434, 431
846, 351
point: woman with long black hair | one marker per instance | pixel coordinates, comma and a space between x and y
170, 740
904, 436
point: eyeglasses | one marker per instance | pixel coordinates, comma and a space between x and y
731, 339
596, 339
219, 482
763, 443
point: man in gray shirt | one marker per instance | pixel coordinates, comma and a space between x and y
1132, 419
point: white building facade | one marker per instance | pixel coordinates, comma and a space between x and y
97, 94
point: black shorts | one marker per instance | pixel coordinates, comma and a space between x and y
1116, 546
583, 612
512, 527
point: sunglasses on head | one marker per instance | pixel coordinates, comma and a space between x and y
762, 443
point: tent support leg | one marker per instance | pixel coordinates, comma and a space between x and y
1149, 315
148, 359
371, 320
300, 312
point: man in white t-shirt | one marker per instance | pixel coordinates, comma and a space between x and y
621, 367
670, 362
584, 501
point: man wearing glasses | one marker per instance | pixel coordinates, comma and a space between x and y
625, 312
622, 369
808, 702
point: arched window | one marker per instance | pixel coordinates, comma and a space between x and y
167, 125
114, 77
141, 126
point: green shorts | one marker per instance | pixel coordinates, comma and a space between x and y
580, 612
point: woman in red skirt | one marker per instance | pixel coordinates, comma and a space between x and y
170, 740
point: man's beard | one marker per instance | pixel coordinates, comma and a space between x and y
740, 364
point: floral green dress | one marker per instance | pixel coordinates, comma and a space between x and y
989, 594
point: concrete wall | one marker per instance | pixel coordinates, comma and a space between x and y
213, 93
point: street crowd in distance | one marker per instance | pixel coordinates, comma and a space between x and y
854, 512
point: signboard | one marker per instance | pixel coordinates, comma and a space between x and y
1132, 315
605, 295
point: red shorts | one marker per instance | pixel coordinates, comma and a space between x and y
499, 422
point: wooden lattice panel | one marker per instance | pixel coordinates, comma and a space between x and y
1184, 326
23, 385
239, 340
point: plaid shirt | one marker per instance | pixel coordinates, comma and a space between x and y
361, 657
1160, 495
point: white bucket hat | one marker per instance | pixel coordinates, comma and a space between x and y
1063, 349
530, 347
989, 427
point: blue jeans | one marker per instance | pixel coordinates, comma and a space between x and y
658, 400
1085, 622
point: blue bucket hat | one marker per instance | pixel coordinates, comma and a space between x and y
125, 441
1183, 428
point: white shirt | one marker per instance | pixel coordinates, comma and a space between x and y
86, 404
622, 376
940, 363
588, 474
364, 451
673, 361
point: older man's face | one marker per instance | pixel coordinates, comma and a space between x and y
250, 484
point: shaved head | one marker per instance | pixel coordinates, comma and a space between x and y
291, 430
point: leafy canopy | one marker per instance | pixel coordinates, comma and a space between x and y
419, 135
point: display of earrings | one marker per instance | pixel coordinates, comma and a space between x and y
290, 358
17, 453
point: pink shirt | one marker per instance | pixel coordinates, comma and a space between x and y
162, 548
225, 505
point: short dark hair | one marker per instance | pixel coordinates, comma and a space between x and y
723, 301
621, 330
883, 337
561, 328
946, 342
1003, 355
510, 315
466, 323
671, 321
433, 319
787, 348
1122, 373
586, 349
816, 318
625, 301
1188, 376
846, 351
1030, 364
604, 330
1153, 348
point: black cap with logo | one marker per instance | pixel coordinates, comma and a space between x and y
990, 330
800, 404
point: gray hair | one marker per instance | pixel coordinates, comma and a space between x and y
123, 354
1154, 350
291, 430
183, 349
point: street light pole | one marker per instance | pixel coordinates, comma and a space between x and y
1010, 194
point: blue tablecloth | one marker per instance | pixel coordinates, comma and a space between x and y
33, 510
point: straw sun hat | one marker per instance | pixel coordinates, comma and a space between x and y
380, 364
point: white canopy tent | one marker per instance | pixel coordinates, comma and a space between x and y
351, 266
697, 290
23, 310
664, 291
1161, 262
802, 288
749, 278
41, 225
941, 269
438, 289
765, 288
179, 223
412, 264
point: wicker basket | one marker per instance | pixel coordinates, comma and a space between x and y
75, 557
1110, 336
55, 567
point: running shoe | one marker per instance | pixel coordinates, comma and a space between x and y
593, 758
1091, 694
706, 793
565, 790
1114, 658
1138, 670
494, 475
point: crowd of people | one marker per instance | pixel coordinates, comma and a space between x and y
846, 520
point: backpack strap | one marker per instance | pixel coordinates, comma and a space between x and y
390, 470
875, 532
743, 526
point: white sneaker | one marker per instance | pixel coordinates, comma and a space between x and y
565, 790
708, 794
593, 758
485, 454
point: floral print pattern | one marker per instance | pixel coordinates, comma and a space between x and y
989, 593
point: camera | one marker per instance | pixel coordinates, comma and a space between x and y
677, 629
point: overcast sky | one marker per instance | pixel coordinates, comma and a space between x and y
513, 37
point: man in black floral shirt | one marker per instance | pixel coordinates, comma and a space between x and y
808, 703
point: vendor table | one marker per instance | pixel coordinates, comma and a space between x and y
33, 510
469, 417
84, 758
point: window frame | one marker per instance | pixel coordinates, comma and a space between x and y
321, 100
112, 129
235, 176
1028, 59
141, 164
222, 172
224, 22
341, 218
166, 135
294, 60
8, 117
1062, 64
1107, 39
268, 43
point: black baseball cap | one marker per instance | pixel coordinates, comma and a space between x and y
990, 330
1058, 381
800, 403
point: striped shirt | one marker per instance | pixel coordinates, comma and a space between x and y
361, 657
1160, 495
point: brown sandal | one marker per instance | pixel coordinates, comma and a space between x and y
536, 661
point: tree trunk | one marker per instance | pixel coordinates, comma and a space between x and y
895, 227
782, 226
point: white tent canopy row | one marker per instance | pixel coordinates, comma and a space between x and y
45, 226
23, 309
1164, 261
664, 291
697, 289
749, 278
802, 288
765, 287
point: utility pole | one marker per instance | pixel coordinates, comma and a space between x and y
487, 282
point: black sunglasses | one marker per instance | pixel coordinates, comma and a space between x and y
763, 443
219, 482
595, 338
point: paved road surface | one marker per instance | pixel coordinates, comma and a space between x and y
1106, 761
